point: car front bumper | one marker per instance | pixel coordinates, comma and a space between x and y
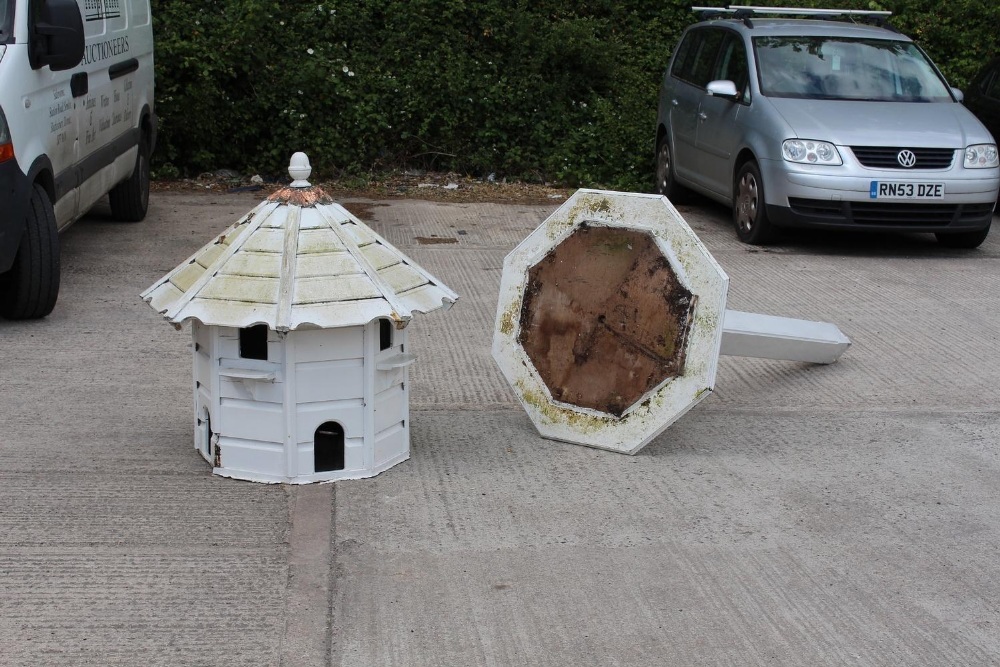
840, 198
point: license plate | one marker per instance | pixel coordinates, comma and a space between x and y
904, 190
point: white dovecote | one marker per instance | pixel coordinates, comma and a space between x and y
298, 316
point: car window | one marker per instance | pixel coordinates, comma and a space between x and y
682, 51
6, 19
839, 68
992, 85
732, 63
699, 56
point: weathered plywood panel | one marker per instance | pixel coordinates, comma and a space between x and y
352, 287
359, 233
390, 444
241, 289
349, 414
228, 351
252, 421
251, 456
227, 347
379, 256
204, 400
329, 344
265, 240
210, 253
162, 296
187, 276
253, 390
329, 380
258, 264
201, 335
605, 318
315, 241
390, 407
327, 264
387, 379
202, 366
402, 278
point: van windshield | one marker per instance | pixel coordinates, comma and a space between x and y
6, 21
838, 68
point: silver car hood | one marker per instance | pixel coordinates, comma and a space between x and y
857, 123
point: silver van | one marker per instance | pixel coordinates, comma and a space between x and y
833, 121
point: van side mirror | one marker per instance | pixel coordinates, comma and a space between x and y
55, 36
959, 95
723, 88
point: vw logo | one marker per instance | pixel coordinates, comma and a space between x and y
906, 158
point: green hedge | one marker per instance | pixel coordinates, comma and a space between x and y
551, 90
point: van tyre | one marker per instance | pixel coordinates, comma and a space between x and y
130, 199
749, 210
966, 240
666, 184
29, 290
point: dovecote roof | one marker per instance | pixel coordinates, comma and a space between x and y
297, 260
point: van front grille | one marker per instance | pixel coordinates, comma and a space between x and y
879, 157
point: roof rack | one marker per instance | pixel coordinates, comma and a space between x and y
746, 12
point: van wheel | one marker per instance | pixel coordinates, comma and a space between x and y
29, 290
967, 240
130, 198
665, 183
749, 211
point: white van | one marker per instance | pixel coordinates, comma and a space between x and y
76, 123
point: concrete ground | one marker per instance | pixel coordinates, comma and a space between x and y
802, 515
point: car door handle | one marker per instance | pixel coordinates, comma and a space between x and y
702, 115
675, 103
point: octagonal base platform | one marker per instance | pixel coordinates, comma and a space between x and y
609, 321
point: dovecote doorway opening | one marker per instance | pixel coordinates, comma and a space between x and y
328, 447
204, 440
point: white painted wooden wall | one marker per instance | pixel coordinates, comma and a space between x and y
329, 386
265, 423
251, 424
391, 392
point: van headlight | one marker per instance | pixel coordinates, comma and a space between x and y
806, 151
981, 156
6, 147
